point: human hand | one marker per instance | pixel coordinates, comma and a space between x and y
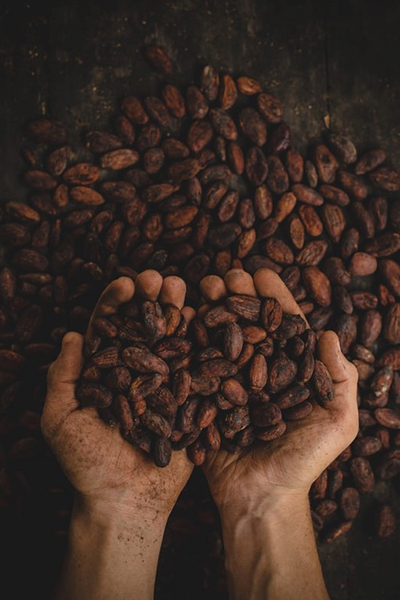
286, 467
107, 472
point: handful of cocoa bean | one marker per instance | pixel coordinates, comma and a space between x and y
247, 369
134, 373
255, 370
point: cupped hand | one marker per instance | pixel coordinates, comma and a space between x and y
105, 469
288, 465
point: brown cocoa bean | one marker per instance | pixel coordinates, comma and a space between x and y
142, 360
388, 418
362, 474
343, 148
323, 382
311, 220
94, 394
354, 185
386, 179
270, 108
233, 341
317, 285
312, 253
307, 195
282, 372
385, 521
258, 374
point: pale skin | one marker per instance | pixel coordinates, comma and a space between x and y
262, 494
123, 501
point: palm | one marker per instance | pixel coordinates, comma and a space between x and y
288, 463
95, 457
98, 461
293, 462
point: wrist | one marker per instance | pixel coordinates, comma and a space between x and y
112, 552
278, 505
105, 514
270, 550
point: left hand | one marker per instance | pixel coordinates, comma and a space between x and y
106, 471
267, 474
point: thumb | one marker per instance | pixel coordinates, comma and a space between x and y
61, 381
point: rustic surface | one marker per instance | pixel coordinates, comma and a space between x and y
336, 65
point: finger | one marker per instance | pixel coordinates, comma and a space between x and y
270, 285
62, 378
238, 281
344, 374
118, 292
213, 288
331, 355
189, 313
148, 284
173, 291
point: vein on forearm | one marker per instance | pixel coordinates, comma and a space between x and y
272, 555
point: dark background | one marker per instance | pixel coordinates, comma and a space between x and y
333, 65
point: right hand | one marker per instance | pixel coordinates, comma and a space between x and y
287, 466
107, 471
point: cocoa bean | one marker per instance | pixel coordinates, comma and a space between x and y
94, 394
270, 108
311, 220
234, 392
245, 307
233, 341
354, 185
386, 179
317, 285
322, 382
326, 164
159, 60
343, 147
363, 264
362, 474
370, 327
337, 531
265, 414
162, 451
312, 253
387, 417
349, 503
307, 195
385, 521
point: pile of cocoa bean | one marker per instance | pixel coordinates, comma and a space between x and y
195, 182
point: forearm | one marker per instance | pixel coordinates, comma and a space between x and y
270, 552
110, 555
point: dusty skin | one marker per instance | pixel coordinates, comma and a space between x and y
291, 463
95, 458
262, 493
123, 500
